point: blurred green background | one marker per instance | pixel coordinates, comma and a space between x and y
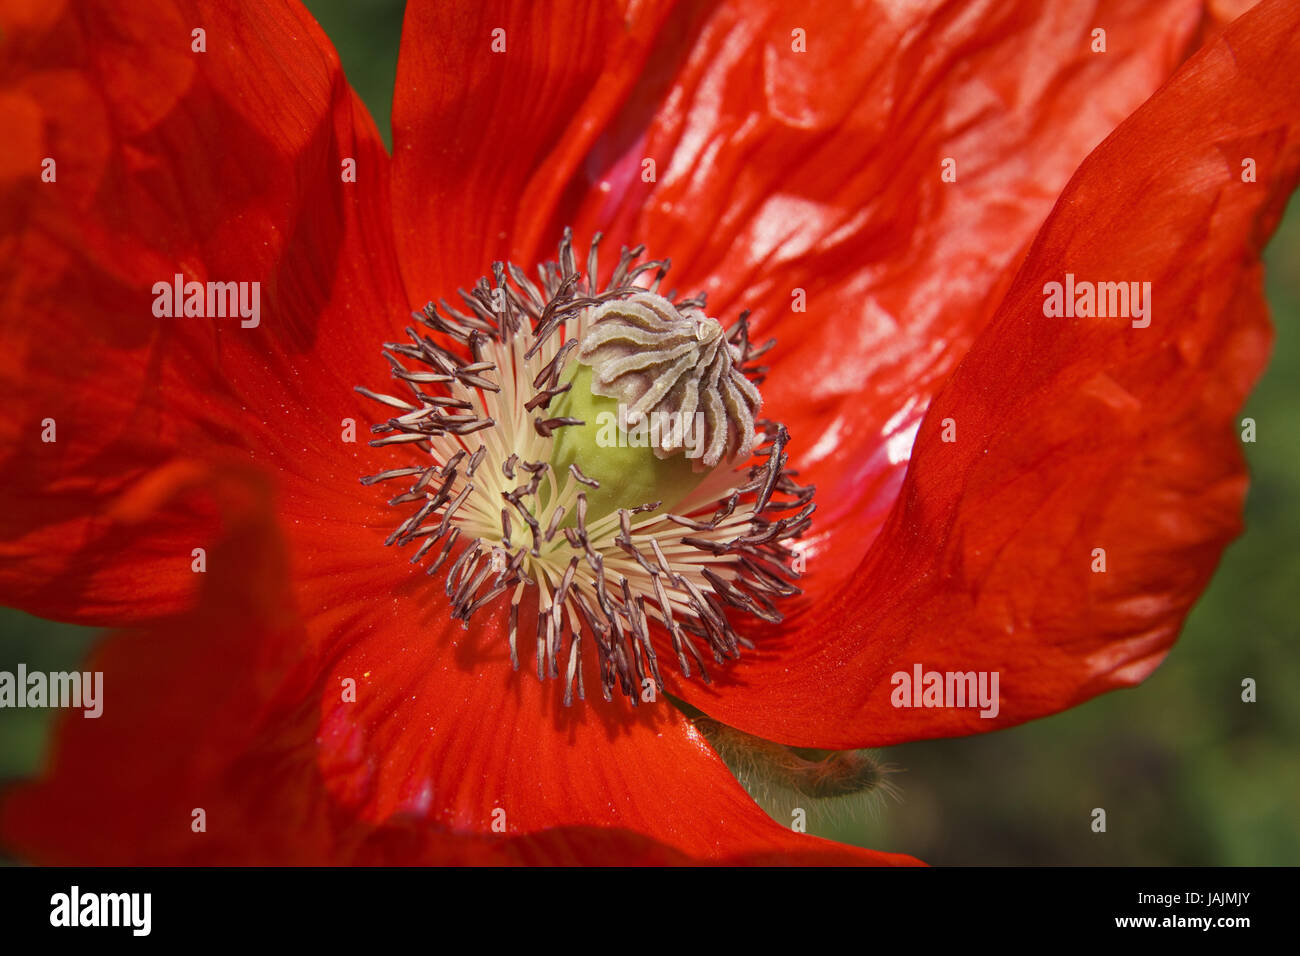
1187, 773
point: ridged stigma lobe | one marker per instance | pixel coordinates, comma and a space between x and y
656, 359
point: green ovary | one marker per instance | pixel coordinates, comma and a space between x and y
628, 476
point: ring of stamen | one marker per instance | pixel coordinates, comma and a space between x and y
488, 506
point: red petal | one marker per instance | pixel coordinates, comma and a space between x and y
180, 702
1074, 435
213, 711
222, 165
821, 171
483, 141
443, 731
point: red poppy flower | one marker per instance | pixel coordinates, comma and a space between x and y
889, 191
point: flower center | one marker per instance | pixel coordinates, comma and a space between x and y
586, 451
